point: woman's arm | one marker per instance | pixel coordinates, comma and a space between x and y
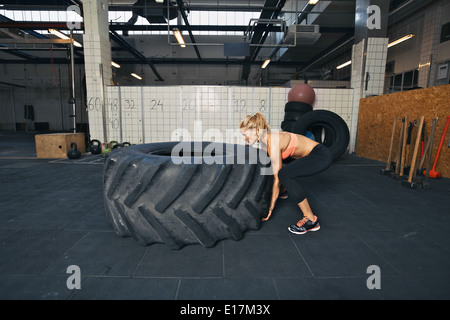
275, 194
276, 162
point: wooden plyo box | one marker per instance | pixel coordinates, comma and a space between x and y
56, 145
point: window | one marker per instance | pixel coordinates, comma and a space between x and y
195, 18
408, 79
40, 16
403, 81
213, 18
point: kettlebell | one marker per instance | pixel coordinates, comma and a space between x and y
106, 147
73, 153
121, 145
96, 147
112, 144
117, 146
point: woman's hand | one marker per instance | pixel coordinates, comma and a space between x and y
268, 216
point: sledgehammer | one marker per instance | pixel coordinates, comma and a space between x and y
388, 163
410, 183
433, 173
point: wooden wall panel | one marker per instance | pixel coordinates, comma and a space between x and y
376, 116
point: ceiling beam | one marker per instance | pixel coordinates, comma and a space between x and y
17, 53
266, 32
304, 13
157, 61
187, 26
345, 40
260, 35
122, 42
35, 41
302, 16
28, 25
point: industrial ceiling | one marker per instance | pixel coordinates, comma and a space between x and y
303, 39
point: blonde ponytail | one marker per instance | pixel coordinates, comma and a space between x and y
257, 121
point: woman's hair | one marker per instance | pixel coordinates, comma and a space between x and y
257, 121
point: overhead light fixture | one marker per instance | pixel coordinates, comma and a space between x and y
159, 1
179, 37
422, 65
136, 76
393, 43
313, 1
116, 65
265, 63
344, 64
63, 36
59, 34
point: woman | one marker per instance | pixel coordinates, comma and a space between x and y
309, 156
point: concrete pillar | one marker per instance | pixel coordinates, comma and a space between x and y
97, 62
368, 56
428, 51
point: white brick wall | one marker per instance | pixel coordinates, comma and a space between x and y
157, 114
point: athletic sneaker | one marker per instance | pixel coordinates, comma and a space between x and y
305, 225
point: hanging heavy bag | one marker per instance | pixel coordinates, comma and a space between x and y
73, 153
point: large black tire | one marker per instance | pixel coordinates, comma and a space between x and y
287, 125
293, 116
328, 129
293, 111
151, 198
297, 106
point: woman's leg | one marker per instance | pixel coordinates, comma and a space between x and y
306, 209
317, 161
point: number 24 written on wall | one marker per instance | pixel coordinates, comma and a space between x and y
127, 104
239, 105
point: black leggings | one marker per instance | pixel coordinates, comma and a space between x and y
317, 161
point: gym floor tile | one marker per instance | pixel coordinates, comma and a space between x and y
409, 253
25, 251
190, 261
227, 289
100, 254
121, 288
93, 219
333, 253
33, 287
264, 255
351, 288
44, 218
426, 286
